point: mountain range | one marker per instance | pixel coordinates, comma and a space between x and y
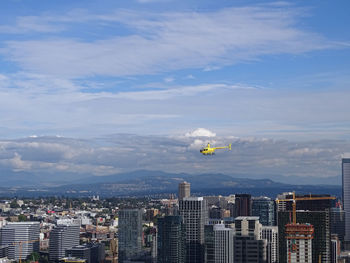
145, 182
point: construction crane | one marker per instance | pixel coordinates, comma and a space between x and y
20, 243
294, 199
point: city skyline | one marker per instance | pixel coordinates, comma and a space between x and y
99, 89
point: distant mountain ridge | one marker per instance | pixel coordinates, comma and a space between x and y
144, 182
206, 179
147, 182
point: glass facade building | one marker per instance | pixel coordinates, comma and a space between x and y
264, 208
171, 240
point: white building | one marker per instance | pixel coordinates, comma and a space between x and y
223, 244
270, 233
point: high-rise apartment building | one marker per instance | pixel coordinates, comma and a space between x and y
248, 245
321, 244
13, 234
299, 243
171, 240
264, 208
194, 212
184, 190
63, 237
129, 234
270, 234
346, 196
243, 205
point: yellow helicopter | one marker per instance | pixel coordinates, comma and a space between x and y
211, 150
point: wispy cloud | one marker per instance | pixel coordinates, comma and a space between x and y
161, 42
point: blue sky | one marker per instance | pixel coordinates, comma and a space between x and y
248, 69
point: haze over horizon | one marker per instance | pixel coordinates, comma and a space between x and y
91, 88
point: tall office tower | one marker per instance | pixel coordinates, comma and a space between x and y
270, 234
243, 205
209, 244
321, 244
194, 212
223, 240
63, 237
299, 243
91, 252
218, 244
184, 190
346, 196
248, 245
13, 234
264, 208
129, 234
338, 222
171, 240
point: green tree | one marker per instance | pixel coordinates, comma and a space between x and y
22, 218
14, 204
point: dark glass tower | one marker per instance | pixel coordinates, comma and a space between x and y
243, 205
264, 208
194, 212
129, 234
171, 240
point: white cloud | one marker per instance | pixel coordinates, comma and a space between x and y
161, 42
201, 132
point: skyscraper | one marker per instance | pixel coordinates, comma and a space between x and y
248, 245
223, 240
264, 208
129, 234
63, 237
243, 205
346, 196
13, 234
195, 215
171, 240
184, 190
270, 234
209, 244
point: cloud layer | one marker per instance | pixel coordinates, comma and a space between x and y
57, 158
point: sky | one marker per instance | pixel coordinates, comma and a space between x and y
81, 80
